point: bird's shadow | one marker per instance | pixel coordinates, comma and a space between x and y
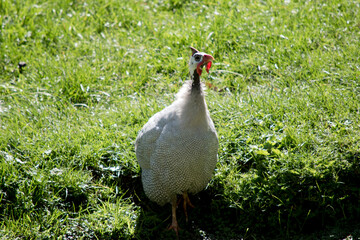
212, 218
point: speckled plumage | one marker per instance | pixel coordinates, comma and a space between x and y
177, 147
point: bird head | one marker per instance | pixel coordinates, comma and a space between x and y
198, 60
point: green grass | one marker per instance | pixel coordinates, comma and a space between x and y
284, 96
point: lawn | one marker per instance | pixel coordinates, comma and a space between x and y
283, 92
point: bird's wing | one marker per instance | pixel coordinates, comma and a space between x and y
146, 140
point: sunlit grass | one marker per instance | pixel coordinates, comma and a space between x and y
283, 94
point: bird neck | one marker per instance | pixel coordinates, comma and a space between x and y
196, 84
191, 103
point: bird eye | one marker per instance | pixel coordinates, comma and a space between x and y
197, 58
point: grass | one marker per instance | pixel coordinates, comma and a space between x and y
283, 93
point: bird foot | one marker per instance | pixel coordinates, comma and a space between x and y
175, 227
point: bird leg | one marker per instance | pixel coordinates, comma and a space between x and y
174, 224
174, 203
186, 203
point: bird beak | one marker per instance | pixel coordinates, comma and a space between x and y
207, 60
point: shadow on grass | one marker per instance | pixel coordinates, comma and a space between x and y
212, 218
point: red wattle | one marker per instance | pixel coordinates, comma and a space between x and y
199, 71
208, 66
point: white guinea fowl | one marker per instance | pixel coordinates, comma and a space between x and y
177, 148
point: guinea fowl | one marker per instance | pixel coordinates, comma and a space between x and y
177, 148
